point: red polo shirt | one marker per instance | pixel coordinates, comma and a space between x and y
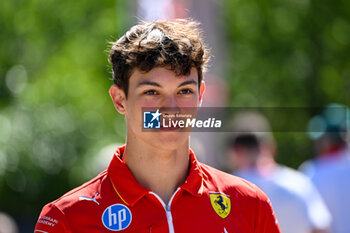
209, 201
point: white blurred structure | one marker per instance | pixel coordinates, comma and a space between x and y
297, 203
7, 224
331, 176
330, 170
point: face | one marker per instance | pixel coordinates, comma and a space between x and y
160, 89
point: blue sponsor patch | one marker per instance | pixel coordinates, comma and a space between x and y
116, 217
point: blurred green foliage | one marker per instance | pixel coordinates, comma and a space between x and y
55, 110
288, 53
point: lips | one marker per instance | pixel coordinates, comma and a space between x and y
170, 124
169, 128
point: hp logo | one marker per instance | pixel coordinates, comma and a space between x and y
116, 217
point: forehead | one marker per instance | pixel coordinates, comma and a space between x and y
161, 75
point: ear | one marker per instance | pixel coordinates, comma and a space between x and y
118, 98
201, 92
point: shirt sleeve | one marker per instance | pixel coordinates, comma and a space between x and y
51, 220
266, 221
318, 213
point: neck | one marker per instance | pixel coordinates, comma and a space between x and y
161, 171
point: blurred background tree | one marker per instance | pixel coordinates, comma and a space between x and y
290, 53
55, 112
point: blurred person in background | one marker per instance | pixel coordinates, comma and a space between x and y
7, 224
251, 152
330, 170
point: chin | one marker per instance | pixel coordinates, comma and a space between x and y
170, 140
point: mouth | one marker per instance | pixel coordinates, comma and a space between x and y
172, 124
168, 128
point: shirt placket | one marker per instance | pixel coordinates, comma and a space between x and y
167, 208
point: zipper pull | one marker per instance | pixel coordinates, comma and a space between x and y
167, 208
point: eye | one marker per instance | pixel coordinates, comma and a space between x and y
186, 91
150, 92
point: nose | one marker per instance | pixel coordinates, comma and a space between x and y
170, 105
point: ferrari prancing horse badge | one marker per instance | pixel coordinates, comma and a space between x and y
221, 203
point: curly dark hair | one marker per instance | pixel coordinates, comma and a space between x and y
176, 45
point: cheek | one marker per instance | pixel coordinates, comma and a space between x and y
133, 118
135, 107
150, 102
132, 109
188, 101
136, 103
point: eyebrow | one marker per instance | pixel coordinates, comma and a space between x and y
146, 82
188, 82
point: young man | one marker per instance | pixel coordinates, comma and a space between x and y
154, 183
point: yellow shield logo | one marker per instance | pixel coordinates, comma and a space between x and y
221, 203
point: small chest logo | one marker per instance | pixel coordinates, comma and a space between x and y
221, 203
116, 217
